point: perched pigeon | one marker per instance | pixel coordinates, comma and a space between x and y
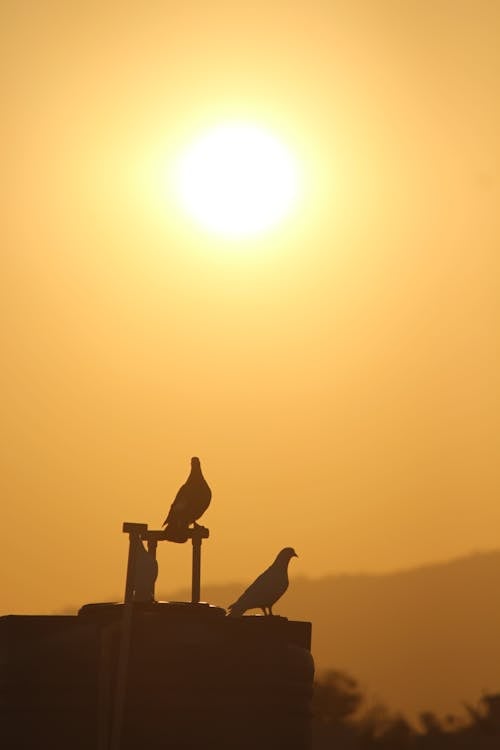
191, 501
267, 588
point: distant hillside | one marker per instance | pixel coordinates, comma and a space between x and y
427, 638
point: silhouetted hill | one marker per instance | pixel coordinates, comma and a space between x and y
427, 638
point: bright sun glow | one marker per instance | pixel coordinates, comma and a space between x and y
237, 180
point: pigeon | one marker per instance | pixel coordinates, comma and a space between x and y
191, 501
267, 588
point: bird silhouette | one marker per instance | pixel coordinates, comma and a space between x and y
267, 588
191, 501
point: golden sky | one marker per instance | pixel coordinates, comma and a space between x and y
338, 377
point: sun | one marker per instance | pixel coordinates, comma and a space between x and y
237, 180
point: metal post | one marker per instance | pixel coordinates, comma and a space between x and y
195, 588
129, 582
152, 545
133, 530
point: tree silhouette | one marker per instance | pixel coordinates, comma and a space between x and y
342, 722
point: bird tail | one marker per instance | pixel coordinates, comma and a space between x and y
176, 532
236, 609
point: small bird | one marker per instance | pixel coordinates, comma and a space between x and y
267, 588
191, 501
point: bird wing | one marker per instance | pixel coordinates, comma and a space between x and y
180, 505
192, 499
201, 494
265, 590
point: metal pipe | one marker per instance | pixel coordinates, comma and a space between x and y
195, 587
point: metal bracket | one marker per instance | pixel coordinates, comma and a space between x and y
139, 533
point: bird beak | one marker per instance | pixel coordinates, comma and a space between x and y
295, 554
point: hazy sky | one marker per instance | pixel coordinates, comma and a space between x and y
338, 377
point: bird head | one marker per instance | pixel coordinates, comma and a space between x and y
286, 555
195, 464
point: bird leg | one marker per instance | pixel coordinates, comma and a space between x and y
270, 611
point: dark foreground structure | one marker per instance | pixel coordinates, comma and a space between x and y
152, 676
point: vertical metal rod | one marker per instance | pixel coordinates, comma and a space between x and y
129, 583
152, 545
195, 588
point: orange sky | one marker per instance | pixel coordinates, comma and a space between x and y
338, 377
